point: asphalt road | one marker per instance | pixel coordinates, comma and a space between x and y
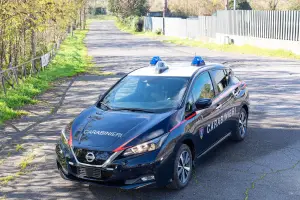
264, 166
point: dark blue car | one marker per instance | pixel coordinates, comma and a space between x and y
151, 126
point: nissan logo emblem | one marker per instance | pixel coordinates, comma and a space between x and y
90, 157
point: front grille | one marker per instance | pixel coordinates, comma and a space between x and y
89, 172
100, 156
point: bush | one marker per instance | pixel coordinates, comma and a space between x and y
134, 23
158, 31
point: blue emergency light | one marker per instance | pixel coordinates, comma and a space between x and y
198, 61
154, 60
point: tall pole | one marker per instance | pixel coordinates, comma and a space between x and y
226, 4
164, 15
234, 5
95, 2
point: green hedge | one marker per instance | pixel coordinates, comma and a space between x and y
134, 23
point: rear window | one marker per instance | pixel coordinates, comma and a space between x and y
221, 79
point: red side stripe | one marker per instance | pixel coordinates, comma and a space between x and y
191, 116
188, 118
122, 147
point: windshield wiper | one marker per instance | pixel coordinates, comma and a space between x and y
134, 110
107, 106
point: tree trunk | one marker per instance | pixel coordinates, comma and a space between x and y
84, 18
10, 52
72, 31
24, 44
33, 48
80, 19
2, 47
75, 24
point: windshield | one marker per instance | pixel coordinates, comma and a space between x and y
151, 93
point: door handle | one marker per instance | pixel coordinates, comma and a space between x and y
235, 94
219, 107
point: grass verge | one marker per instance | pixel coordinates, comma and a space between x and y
245, 49
70, 60
130, 30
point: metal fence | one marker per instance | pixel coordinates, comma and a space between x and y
280, 25
13, 75
203, 26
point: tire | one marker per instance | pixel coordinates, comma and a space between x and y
240, 131
181, 180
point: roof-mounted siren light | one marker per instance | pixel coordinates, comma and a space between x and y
154, 60
198, 61
160, 67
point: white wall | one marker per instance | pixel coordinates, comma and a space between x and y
293, 46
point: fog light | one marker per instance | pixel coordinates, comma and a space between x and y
147, 178
71, 163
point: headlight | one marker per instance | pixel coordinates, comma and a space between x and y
146, 147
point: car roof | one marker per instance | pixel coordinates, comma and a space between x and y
182, 70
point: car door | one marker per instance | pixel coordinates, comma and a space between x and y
223, 102
202, 87
238, 92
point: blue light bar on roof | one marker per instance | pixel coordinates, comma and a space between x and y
154, 60
198, 61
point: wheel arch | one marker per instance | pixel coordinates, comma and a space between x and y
246, 107
189, 142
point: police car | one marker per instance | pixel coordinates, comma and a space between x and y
151, 126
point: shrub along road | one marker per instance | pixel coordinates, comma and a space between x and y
264, 166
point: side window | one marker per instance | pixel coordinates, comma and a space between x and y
203, 87
221, 78
228, 72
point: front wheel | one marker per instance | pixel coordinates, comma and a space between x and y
183, 166
241, 130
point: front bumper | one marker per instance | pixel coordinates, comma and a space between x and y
126, 173
116, 184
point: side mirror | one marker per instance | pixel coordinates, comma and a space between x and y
203, 103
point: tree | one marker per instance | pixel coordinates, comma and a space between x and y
273, 4
240, 5
126, 8
189, 7
29, 28
294, 5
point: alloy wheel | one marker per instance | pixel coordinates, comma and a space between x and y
184, 167
243, 124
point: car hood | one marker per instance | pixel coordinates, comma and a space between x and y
107, 130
